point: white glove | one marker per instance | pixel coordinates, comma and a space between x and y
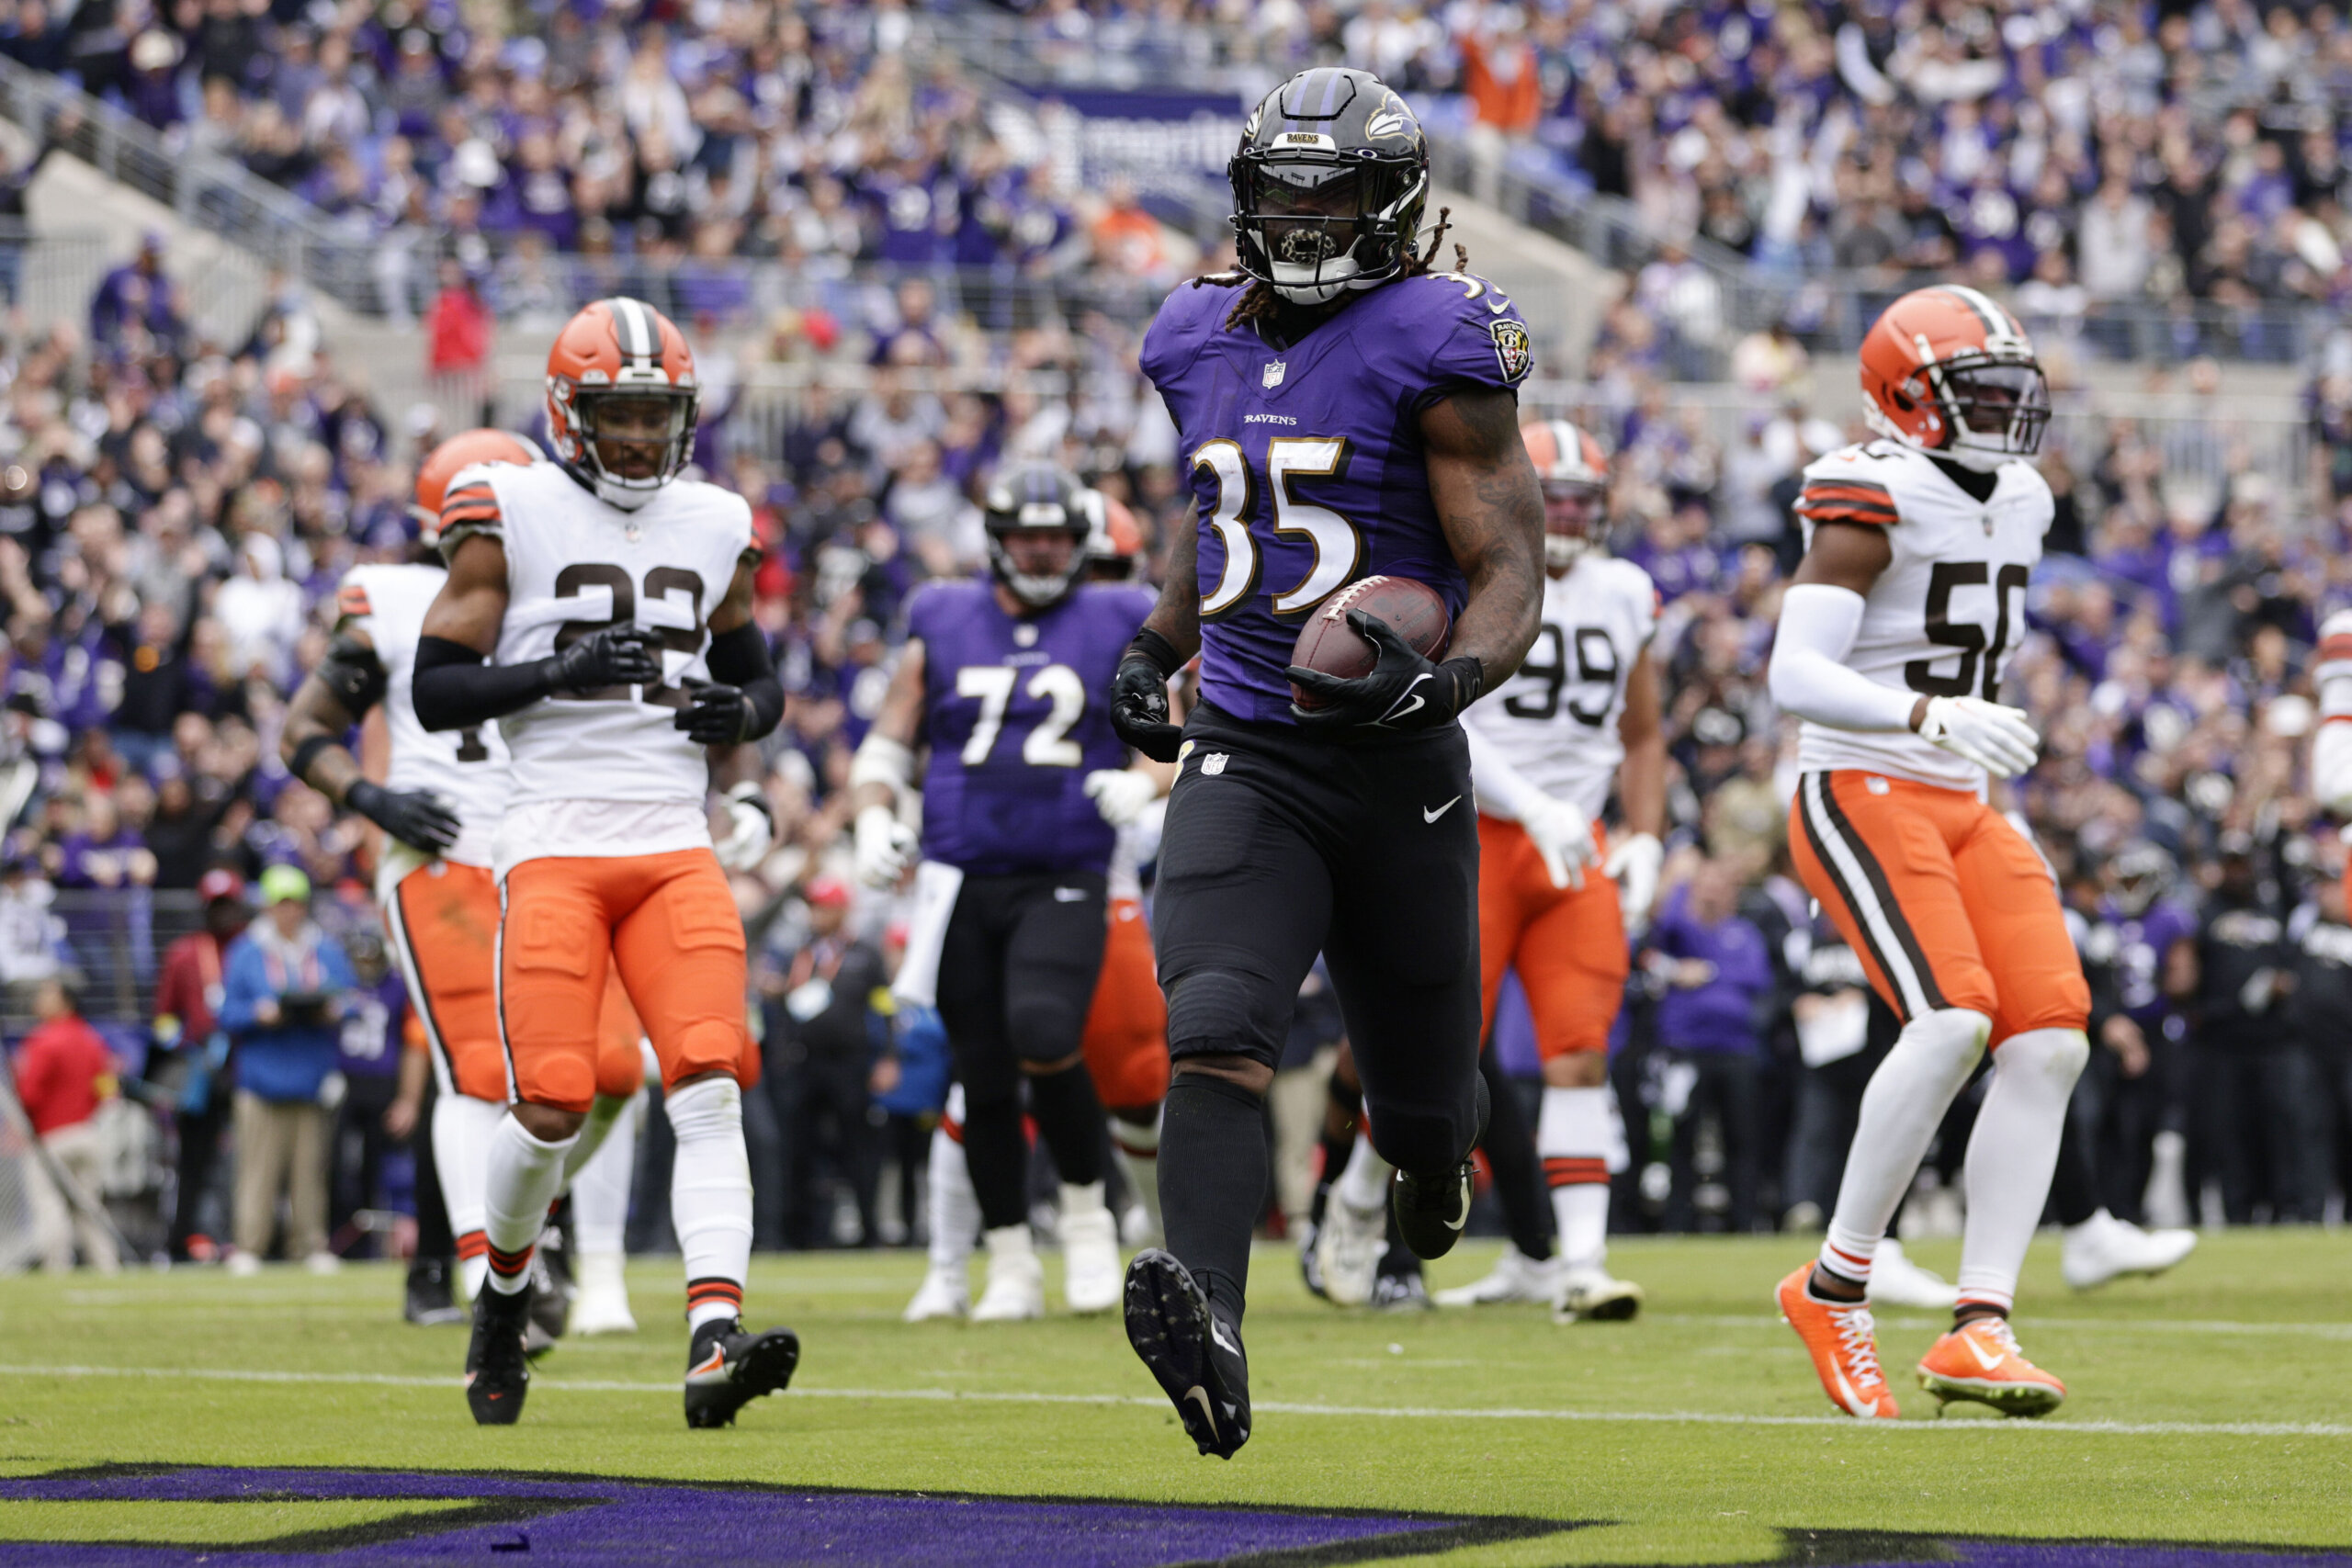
885, 846
751, 829
1633, 866
1121, 794
1563, 836
1997, 738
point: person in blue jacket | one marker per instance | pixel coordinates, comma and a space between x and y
1718, 983
285, 988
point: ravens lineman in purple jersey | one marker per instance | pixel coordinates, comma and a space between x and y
1002, 679
1344, 411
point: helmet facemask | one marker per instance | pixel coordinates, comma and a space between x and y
1994, 408
1575, 519
1313, 225
1037, 590
651, 429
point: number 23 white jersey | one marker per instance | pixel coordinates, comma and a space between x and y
1555, 720
575, 566
1943, 617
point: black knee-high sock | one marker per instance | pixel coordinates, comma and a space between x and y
1518, 1179
1213, 1173
997, 1155
1070, 1122
2074, 1185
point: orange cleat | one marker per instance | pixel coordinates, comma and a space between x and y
1843, 1342
1981, 1361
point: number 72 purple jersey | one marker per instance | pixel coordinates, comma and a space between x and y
1306, 462
1015, 713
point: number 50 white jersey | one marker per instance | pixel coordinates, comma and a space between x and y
1944, 616
574, 566
1555, 720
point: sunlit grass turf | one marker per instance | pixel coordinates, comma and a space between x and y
2257, 1328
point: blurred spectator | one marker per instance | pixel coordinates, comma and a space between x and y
2249, 1081
1716, 976
188, 998
137, 309
378, 1075
65, 1077
827, 1002
288, 985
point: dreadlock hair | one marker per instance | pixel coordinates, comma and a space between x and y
1260, 301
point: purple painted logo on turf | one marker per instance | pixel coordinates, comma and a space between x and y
594, 1523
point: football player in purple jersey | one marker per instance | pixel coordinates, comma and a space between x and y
1001, 680
1344, 411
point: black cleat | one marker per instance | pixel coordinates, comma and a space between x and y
551, 1306
430, 1304
1431, 1208
497, 1371
1195, 1355
727, 1368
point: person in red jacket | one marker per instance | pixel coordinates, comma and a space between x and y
64, 1073
187, 996
457, 328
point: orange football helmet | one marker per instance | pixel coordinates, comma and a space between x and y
1575, 474
1946, 370
458, 452
1113, 542
620, 349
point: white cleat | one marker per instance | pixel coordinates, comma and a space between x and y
1092, 1277
1348, 1249
946, 1292
2104, 1248
1592, 1295
1515, 1278
1895, 1281
1016, 1288
600, 1304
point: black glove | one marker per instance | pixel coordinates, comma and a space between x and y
618, 655
410, 816
1404, 692
719, 715
1140, 697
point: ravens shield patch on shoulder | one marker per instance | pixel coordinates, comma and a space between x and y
1513, 351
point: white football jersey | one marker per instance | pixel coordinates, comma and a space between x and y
465, 768
1949, 610
575, 566
1555, 720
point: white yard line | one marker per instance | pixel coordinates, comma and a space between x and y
1407, 1412
2033, 1322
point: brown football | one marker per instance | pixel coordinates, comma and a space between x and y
1328, 643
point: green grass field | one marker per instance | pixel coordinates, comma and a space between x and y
2206, 1407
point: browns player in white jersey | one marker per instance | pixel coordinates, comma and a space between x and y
614, 600
1555, 894
1918, 547
439, 798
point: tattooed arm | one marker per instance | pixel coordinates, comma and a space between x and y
1492, 510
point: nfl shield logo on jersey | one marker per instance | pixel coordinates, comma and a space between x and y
1274, 373
1214, 764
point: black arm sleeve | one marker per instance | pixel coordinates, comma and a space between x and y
454, 688
740, 658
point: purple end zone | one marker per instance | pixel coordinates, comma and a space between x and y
608, 1524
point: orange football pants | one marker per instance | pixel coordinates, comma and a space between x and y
1125, 1041
1568, 944
443, 925
1948, 906
664, 926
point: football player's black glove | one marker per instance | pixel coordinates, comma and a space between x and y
410, 816
1404, 692
618, 655
1140, 697
720, 715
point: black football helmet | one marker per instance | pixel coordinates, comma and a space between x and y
1027, 496
1328, 186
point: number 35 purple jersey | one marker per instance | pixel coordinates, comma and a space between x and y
1306, 462
1013, 709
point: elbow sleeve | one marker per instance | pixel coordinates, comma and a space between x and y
454, 688
740, 658
1809, 677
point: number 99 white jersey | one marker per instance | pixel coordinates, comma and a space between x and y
574, 566
1943, 617
1555, 720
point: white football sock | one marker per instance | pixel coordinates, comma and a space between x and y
955, 1207
523, 1176
1363, 1185
603, 1111
1573, 1134
600, 1186
1901, 1110
462, 1129
2011, 1155
710, 1197
1138, 1151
